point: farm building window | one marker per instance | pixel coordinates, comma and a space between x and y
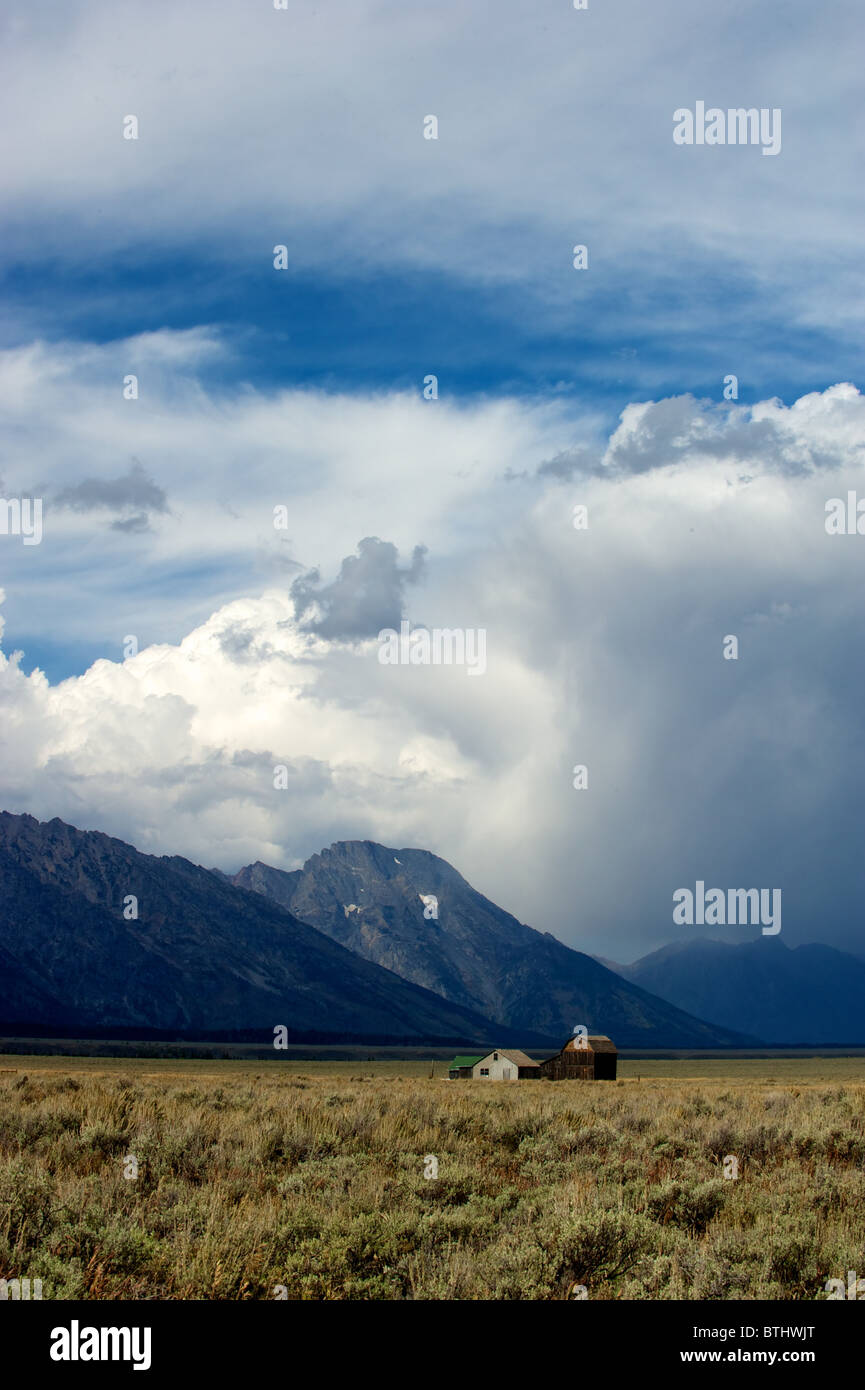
485, 1071
495, 1056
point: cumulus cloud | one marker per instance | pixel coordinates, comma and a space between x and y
366, 596
604, 647
822, 430
199, 728
655, 434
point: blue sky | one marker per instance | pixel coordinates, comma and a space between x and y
410, 255
303, 388
615, 335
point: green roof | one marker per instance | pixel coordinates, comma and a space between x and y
466, 1061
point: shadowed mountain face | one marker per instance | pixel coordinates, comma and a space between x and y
810, 994
370, 899
202, 955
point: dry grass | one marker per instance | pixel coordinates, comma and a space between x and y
256, 1177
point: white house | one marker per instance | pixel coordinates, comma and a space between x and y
504, 1065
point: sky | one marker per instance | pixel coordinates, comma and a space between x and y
166, 646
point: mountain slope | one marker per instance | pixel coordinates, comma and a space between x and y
807, 994
203, 955
369, 898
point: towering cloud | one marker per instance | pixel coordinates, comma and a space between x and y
605, 648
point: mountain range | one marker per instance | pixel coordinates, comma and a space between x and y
371, 899
95, 935
201, 957
805, 994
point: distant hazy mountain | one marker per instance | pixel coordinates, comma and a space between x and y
203, 955
370, 899
808, 994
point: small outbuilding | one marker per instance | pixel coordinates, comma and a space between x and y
591, 1058
461, 1067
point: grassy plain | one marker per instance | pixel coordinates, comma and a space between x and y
309, 1177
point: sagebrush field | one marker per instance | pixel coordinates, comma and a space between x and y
310, 1177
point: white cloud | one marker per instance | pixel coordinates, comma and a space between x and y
345, 467
603, 647
305, 127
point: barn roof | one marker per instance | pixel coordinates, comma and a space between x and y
512, 1054
595, 1042
464, 1062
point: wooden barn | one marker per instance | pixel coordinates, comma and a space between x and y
590, 1058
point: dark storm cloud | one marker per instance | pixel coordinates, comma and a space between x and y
133, 492
366, 596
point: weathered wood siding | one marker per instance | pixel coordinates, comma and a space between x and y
587, 1063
